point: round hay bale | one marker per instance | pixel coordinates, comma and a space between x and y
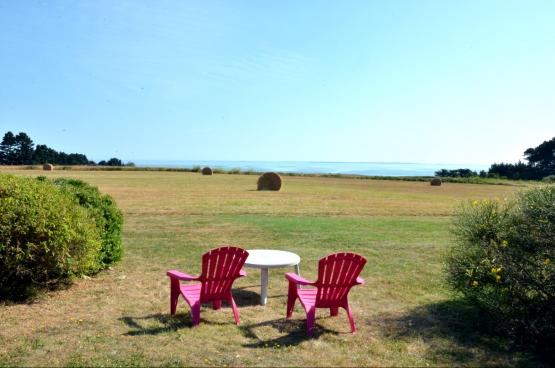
269, 181
436, 182
206, 171
48, 167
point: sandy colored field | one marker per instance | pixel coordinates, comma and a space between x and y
404, 313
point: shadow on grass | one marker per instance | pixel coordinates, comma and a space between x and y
245, 298
29, 293
166, 323
295, 333
453, 332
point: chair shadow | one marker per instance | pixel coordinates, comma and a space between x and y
168, 323
247, 298
464, 329
183, 319
295, 333
244, 297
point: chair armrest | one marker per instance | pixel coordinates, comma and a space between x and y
359, 281
174, 274
242, 273
293, 277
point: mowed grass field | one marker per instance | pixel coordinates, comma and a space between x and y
405, 314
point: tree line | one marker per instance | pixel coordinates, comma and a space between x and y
20, 150
540, 164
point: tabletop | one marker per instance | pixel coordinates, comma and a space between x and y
270, 258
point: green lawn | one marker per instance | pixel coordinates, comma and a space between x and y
404, 313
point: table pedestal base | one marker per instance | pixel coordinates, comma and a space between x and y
264, 283
264, 286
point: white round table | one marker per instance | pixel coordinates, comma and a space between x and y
269, 258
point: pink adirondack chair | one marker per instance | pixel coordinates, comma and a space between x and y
337, 273
220, 268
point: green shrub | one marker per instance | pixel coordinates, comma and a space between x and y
45, 237
549, 179
503, 262
103, 209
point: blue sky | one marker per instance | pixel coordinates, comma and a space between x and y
394, 81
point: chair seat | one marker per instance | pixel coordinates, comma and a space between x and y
191, 292
307, 297
337, 273
220, 268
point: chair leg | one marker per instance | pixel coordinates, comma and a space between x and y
174, 295
351, 319
234, 308
217, 304
291, 298
195, 312
334, 312
310, 317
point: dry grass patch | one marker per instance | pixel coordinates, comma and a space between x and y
121, 316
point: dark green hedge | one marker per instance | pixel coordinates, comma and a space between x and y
108, 217
45, 237
53, 230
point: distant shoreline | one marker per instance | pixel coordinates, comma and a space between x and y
316, 167
425, 178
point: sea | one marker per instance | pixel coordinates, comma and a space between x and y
315, 167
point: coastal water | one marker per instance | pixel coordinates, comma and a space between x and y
309, 167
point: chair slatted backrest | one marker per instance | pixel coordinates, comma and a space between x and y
220, 267
337, 273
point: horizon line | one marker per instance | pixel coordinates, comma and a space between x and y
308, 161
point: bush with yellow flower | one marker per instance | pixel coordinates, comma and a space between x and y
502, 262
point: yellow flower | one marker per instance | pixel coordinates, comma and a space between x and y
496, 270
475, 203
547, 261
504, 244
497, 278
475, 283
